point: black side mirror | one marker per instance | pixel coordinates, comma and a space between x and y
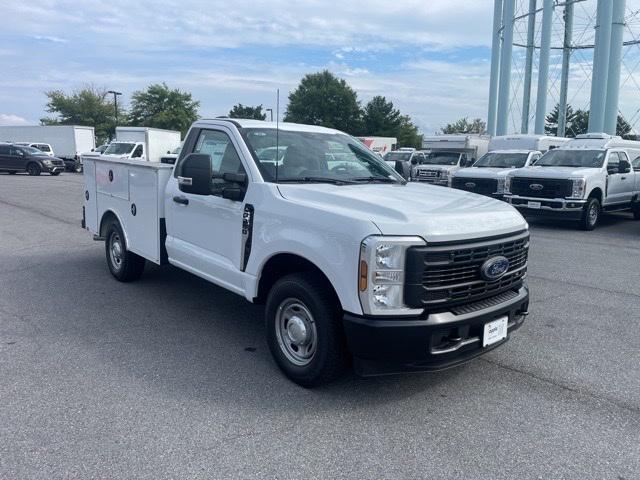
236, 190
194, 174
240, 178
613, 169
414, 161
234, 193
625, 167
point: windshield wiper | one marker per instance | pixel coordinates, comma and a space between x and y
333, 181
372, 179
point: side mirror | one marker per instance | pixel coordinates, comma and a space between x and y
168, 151
194, 174
613, 169
625, 167
414, 161
240, 178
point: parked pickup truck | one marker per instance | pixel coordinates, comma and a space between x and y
448, 153
588, 175
352, 261
506, 153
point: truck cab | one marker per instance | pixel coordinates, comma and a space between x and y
587, 176
123, 150
403, 160
352, 262
448, 154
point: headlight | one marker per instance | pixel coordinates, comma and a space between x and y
47, 162
578, 188
501, 184
507, 185
381, 274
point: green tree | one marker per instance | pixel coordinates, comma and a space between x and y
245, 111
463, 125
380, 118
161, 107
323, 99
88, 106
578, 123
407, 134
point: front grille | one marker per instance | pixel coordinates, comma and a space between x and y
57, 163
482, 186
541, 187
442, 276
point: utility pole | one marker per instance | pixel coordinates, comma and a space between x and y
600, 66
543, 70
496, 48
615, 59
115, 106
566, 58
504, 86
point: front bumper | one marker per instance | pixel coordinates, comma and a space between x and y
427, 343
549, 207
53, 168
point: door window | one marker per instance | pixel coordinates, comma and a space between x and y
224, 156
137, 153
613, 166
6, 150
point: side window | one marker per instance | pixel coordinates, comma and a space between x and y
6, 150
534, 158
636, 163
16, 151
224, 157
137, 153
614, 163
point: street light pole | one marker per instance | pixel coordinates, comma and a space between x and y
115, 105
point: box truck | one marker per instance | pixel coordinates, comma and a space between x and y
66, 141
380, 145
142, 143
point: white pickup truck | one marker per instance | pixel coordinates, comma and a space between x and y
352, 261
578, 181
506, 153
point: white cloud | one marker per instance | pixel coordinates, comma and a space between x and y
9, 119
50, 38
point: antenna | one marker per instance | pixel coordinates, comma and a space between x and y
277, 131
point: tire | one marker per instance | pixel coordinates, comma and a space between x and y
34, 169
125, 266
591, 214
308, 300
636, 211
12, 172
54, 174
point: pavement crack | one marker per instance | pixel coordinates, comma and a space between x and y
621, 405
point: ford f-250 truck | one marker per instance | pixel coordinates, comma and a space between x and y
578, 181
352, 261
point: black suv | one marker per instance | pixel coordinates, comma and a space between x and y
20, 158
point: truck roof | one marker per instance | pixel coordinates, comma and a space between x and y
251, 123
599, 141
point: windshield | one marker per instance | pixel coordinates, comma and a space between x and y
31, 150
442, 158
395, 156
316, 157
502, 160
572, 158
119, 148
176, 151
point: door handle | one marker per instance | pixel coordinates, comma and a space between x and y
181, 200
623, 178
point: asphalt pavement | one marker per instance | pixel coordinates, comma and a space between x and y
170, 377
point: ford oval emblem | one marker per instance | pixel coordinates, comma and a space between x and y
470, 185
536, 186
494, 268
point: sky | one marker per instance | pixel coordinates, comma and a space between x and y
430, 57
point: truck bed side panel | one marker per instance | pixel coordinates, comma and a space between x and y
143, 228
90, 198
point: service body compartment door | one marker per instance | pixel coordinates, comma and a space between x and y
90, 197
143, 225
113, 179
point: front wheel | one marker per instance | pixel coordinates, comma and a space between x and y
33, 169
591, 214
304, 330
54, 174
12, 172
124, 265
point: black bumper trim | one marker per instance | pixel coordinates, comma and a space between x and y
384, 346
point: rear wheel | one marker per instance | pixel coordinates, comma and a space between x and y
591, 214
636, 211
54, 174
12, 172
33, 169
304, 332
125, 266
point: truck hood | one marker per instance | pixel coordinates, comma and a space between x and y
435, 213
555, 172
489, 172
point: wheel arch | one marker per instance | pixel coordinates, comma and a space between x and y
108, 215
282, 264
596, 193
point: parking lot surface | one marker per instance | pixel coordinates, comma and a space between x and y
170, 377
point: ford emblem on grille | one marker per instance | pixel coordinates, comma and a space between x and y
494, 268
536, 186
470, 185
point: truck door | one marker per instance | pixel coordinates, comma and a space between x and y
620, 186
204, 232
6, 161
